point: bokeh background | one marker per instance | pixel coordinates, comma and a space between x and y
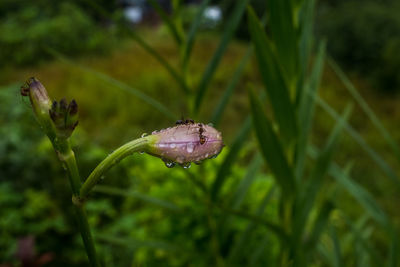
114, 57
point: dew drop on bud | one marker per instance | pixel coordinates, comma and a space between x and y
144, 135
170, 164
190, 147
186, 165
210, 124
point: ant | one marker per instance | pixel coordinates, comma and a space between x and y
183, 121
202, 138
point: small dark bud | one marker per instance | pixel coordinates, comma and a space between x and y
63, 105
73, 107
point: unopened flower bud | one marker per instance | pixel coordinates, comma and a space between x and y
186, 143
40, 101
64, 117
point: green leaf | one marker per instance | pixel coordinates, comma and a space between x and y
271, 148
219, 110
365, 107
363, 197
337, 254
192, 33
310, 190
133, 244
164, 16
319, 225
284, 35
230, 28
306, 110
273, 78
226, 165
357, 137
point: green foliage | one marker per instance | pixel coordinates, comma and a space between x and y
29, 30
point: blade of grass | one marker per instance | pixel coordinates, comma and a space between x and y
307, 109
143, 197
230, 28
192, 33
118, 84
134, 243
365, 107
284, 35
219, 110
226, 165
271, 148
394, 249
273, 79
238, 249
170, 25
337, 254
357, 137
319, 225
260, 251
357, 191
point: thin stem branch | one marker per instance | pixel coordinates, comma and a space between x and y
67, 157
112, 159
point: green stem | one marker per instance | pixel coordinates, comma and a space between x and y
67, 157
112, 159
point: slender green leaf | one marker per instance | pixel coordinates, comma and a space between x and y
313, 185
394, 249
284, 35
143, 197
118, 84
271, 148
319, 225
192, 33
358, 192
273, 79
306, 110
260, 251
240, 245
357, 137
218, 112
230, 28
365, 107
226, 165
337, 254
170, 24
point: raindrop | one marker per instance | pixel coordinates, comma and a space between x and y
190, 147
141, 152
144, 135
210, 124
213, 157
186, 165
172, 145
170, 164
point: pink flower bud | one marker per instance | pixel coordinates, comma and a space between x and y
186, 143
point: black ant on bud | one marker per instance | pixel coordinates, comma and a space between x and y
183, 121
202, 138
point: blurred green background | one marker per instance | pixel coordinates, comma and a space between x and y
102, 53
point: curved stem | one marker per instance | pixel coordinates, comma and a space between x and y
67, 157
137, 145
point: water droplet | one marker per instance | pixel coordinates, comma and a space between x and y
190, 147
144, 135
170, 164
213, 157
102, 177
141, 152
211, 124
172, 145
197, 162
186, 165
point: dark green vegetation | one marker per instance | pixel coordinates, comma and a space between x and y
339, 209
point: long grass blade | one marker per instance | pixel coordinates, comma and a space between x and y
219, 110
170, 24
273, 78
306, 110
365, 107
337, 254
319, 225
357, 137
230, 28
284, 35
134, 243
226, 165
313, 185
192, 33
143, 197
271, 148
120, 85
357, 191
